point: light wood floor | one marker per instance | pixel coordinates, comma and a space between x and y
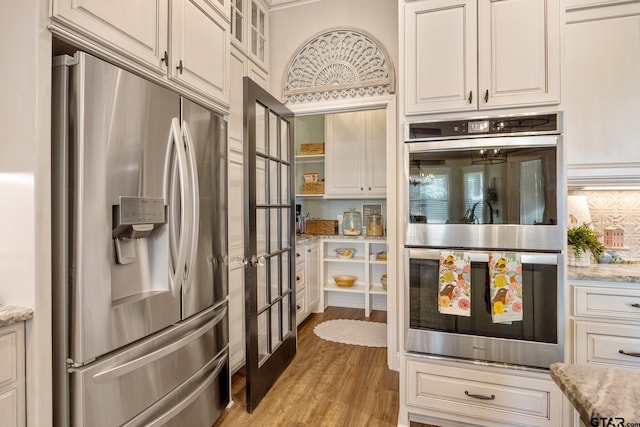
327, 384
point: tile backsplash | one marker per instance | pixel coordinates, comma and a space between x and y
616, 208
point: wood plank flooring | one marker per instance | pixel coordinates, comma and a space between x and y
327, 384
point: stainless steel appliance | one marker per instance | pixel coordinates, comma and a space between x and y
140, 246
491, 184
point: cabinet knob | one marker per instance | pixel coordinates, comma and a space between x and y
361, 188
297, 254
470, 96
486, 96
298, 306
297, 277
369, 188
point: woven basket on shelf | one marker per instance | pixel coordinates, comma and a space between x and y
313, 187
327, 227
312, 148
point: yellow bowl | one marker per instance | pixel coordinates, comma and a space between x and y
345, 281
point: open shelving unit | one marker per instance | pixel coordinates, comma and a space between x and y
368, 292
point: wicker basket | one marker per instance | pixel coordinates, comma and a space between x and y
312, 148
313, 187
327, 227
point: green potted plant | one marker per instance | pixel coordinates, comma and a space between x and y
583, 241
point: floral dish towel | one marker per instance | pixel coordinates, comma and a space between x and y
505, 274
454, 289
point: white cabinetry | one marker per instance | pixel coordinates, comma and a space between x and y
12, 376
184, 41
367, 292
307, 280
465, 55
249, 32
606, 326
460, 393
355, 163
602, 91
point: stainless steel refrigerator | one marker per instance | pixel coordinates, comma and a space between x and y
140, 246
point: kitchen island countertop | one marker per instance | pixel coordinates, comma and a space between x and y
623, 273
10, 314
598, 392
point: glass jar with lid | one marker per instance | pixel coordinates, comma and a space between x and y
352, 223
374, 225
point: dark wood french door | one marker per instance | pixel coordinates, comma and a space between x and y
269, 240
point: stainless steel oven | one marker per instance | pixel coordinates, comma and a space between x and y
479, 187
486, 183
536, 340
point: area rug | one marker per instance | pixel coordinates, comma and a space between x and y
355, 332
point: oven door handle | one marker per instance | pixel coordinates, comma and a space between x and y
483, 256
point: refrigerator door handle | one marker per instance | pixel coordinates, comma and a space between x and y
195, 203
125, 368
177, 408
178, 261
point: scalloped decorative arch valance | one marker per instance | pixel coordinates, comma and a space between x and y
338, 64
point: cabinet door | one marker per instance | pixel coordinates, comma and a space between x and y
137, 29
441, 55
602, 92
236, 253
518, 52
376, 153
344, 160
200, 48
312, 261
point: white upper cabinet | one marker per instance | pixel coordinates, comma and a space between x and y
135, 29
466, 55
602, 92
199, 47
355, 162
250, 29
184, 41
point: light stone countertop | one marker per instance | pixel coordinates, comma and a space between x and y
10, 314
623, 273
600, 392
304, 238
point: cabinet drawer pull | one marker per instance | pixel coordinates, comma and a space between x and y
486, 96
180, 67
636, 305
165, 58
629, 354
470, 96
481, 397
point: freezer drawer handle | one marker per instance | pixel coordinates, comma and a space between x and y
175, 410
125, 368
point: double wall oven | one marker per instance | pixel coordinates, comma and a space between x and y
481, 188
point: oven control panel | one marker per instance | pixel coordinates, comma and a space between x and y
531, 124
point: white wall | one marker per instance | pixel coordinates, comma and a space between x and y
25, 254
292, 27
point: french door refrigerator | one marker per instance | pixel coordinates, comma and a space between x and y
140, 245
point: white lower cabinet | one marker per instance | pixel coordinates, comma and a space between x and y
606, 326
307, 280
12, 376
481, 396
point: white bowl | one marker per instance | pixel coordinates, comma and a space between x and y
345, 253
